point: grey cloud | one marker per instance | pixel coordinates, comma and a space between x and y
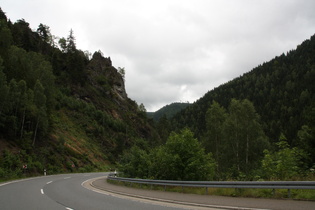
176, 50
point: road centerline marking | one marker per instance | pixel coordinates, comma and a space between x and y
42, 191
49, 182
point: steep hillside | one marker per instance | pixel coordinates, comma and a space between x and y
61, 109
282, 91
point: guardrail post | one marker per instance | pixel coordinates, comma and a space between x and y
289, 193
164, 187
238, 191
206, 190
273, 192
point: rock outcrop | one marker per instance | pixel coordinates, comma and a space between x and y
105, 77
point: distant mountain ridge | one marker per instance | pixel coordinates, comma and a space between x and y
168, 110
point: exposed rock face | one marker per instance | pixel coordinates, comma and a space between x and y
106, 77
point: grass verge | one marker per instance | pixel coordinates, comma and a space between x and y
294, 194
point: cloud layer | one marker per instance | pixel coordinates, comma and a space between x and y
175, 50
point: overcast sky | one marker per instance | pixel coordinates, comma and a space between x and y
175, 50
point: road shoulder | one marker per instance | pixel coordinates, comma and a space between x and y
206, 201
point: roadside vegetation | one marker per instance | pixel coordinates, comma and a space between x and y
66, 110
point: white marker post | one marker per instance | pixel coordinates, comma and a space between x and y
44, 172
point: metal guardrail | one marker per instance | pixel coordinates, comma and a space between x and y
222, 184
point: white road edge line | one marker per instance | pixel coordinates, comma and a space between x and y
69, 208
158, 201
42, 191
49, 182
18, 180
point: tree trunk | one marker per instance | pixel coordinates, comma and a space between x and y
237, 147
237, 156
217, 153
35, 132
22, 126
247, 149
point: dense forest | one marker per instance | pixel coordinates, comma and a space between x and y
277, 98
63, 109
281, 90
259, 126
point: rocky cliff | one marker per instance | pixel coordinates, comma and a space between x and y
105, 77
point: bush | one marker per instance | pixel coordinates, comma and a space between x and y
285, 164
181, 158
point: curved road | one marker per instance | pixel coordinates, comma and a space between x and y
74, 191
63, 192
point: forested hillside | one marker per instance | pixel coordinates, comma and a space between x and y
168, 111
61, 108
282, 91
282, 94
259, 126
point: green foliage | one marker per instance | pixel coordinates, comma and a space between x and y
40, 110
71, 45
214, 139
10, 165
275, 88
181, 158
6, 38
244, 135
63, 44
284, 164
25, 99
164, 128
235, 137
4, 90
44, 33
135, 163
57, 105
23, 37
122, 72
306, 140
103, 81
282, 93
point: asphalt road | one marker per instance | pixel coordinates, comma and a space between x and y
64, 192
76, 192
